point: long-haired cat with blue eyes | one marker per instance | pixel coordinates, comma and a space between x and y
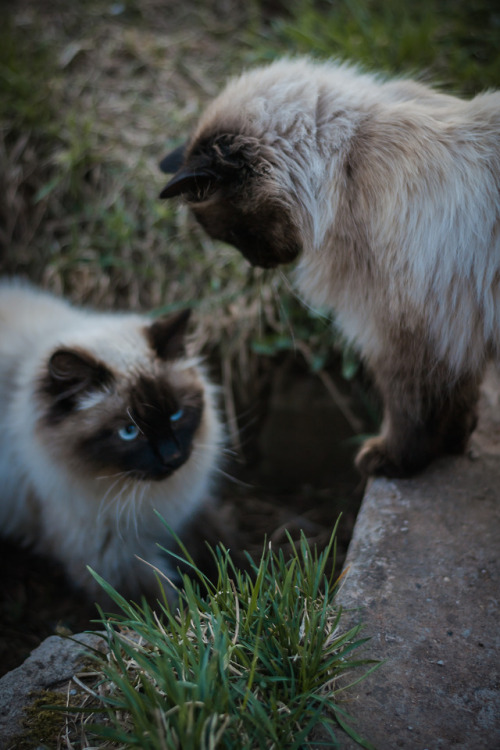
105, 420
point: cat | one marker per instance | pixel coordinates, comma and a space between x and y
388, 194
105, 420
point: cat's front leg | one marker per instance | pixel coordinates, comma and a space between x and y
422, 420
397, 451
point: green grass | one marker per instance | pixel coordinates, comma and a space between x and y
256, 659
453, 43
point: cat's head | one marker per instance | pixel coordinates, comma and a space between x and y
228, 183
246, 170
137, 413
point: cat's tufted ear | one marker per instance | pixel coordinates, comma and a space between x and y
72, 371
213, 162
166, 335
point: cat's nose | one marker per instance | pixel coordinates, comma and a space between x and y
170, 453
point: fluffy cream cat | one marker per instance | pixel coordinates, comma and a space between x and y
388, 192
104, 420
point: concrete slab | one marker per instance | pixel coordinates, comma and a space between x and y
425, 572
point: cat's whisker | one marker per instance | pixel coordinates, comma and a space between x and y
125, 508
291, 289
130, 505
129, 414
137, 503
112, 476
135, 508
233, 479
203, 447
144, 491
230, 452
152, 407
120, 511
107, 503
104, 504
216, 469
119, 476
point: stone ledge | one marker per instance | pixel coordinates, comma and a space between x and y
424, 578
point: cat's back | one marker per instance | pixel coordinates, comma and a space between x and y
29, 318
26, 311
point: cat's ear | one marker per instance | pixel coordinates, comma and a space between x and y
187, 178
166, 335
174, 160
72, 371
215, 162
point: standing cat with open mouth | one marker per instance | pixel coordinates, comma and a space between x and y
104, 420
388, 193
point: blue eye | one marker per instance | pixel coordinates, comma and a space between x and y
129, 432
176, 415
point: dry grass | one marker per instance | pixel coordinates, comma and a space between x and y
82, 214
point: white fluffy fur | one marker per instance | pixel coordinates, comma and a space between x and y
101, 521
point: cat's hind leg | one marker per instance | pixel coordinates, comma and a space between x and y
421, 422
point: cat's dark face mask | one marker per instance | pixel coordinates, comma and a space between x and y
142, 426
228, 185
141, 450
157, 439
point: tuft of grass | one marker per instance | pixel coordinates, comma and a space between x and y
257, 659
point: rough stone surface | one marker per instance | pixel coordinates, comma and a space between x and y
424, 576
49, 667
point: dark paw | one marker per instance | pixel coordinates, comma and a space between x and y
375, 459
457, 437
372, 458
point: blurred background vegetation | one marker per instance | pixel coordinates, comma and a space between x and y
94, 93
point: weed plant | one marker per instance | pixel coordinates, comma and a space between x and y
257, 659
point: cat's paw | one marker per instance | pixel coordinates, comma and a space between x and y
374, 459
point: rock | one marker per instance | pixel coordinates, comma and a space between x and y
424, 578
49, 667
